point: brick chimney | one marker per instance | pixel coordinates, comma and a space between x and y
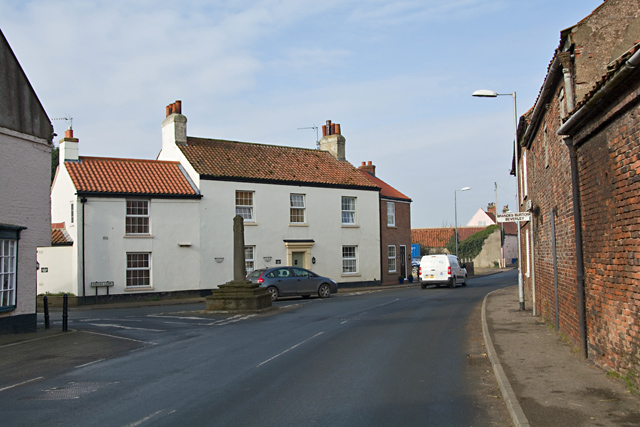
368, 167
174, 126
332, 140
68, 149
491, 208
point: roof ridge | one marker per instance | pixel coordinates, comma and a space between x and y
126, 159
257, 143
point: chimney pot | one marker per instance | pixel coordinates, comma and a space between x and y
68, 133
324, 130
364, 163
338, 129
178, 107
369, 162
333, 128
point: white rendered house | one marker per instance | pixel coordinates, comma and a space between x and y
300, 206
166, 225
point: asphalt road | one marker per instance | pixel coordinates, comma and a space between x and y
392, 357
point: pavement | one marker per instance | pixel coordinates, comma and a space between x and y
544, 381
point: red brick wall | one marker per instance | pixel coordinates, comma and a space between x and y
609, 164
398, 235
549, 189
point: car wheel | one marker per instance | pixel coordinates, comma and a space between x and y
423, 286
465, 281
274, 292
452, 283
324, 291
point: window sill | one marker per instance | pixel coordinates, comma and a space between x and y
350, 226
138, 288
296, 224
350, 275
8, 308
391, 226
250, 223
138, 236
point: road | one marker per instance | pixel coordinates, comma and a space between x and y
389, 357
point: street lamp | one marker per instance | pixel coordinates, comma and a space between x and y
455, 207
483, 93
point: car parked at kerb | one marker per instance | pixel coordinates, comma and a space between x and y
288, 281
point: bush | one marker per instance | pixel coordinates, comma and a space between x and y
471, 246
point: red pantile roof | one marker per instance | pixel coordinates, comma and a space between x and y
59, 236
114, 176
439, 237
385, 189
220, 159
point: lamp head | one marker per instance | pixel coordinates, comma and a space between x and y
484, 93
465, 189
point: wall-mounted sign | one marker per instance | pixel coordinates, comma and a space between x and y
514, 216
44, 269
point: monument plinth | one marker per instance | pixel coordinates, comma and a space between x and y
239, 294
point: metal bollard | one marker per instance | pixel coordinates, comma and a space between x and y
45, 302
65, 312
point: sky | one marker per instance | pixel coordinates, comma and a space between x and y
396, 75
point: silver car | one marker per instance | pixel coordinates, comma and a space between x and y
286, 281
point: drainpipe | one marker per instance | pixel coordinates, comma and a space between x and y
83, 200
582, 321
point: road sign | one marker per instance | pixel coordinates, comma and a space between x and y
513, 216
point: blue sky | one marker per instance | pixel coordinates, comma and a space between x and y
397, 76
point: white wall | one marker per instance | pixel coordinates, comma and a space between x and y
172, 222
271, 228
55, 273
480, 219
25, 174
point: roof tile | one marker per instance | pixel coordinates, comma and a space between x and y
242, 160
128, 176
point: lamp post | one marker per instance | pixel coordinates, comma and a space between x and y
455, 207
483, 93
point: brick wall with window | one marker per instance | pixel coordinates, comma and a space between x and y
397, 235
549, 190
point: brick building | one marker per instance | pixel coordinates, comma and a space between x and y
579, 166
395, 229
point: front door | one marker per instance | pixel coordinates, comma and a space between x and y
297, 259
403, 261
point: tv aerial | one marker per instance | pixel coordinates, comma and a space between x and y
316, 129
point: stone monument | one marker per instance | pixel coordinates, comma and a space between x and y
240, 294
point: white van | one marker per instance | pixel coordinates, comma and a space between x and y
442, 270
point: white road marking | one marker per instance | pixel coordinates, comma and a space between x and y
144, 420
22, 383
90, 363
289, 349
120, 338
114, 325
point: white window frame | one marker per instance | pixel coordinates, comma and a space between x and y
349, 259
391, 214
348, 215
246, 211
146, 259
249, 258
136, 219
297, 206
391, 257
8, 273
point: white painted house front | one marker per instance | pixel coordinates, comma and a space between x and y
166, 225
300, 206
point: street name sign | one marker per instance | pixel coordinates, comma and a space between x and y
514, 216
